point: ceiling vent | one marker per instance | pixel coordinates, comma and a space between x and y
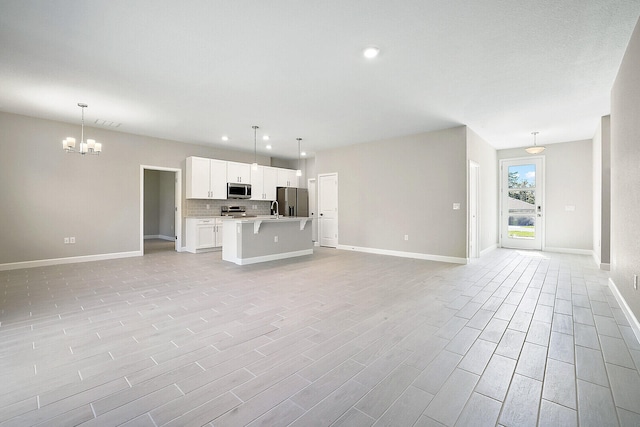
107, 123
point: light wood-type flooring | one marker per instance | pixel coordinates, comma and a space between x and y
516, 338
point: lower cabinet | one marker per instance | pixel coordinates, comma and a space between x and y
203, 234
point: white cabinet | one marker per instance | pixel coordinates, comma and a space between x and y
206, 178
203, 233
263, 183
287, 178
238, 172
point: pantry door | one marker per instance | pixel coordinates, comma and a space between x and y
328, 208
522, 203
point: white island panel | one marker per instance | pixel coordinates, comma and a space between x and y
253, 240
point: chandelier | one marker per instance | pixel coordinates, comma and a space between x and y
90, 146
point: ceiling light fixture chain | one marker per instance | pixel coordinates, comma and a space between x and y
299, 171
254, 165
535, 149
88, 147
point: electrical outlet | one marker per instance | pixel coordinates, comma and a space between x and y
72, 240
456, 206
208, 206
254, 207
275, 239
406, 237
635, 282
66, 240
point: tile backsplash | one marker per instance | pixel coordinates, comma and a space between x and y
198, 208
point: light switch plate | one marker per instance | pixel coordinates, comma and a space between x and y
570, 208
456, 206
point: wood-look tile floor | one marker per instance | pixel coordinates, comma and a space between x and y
337, 338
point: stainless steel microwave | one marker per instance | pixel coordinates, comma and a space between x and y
238, 191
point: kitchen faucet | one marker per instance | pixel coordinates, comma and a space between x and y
277, 208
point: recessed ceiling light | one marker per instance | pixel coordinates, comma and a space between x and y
268, 147
303, 153
225, 138
265, 138
371, 52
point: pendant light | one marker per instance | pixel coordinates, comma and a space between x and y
299, 171
88, 147
254, 165
535, 149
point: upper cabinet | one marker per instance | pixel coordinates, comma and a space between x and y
238, 172
206, 178
263, 183
287, 178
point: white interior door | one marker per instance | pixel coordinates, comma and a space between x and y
474, 197
522, 198
328, 208
313, 208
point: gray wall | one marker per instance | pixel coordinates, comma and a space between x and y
151, 203
486, 156
402, 186
568, 182
625, 174
159, 203
166, 204
48, 194
602, 191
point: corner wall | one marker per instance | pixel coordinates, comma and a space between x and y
625, 175
486, 156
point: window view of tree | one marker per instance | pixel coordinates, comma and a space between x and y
522, 199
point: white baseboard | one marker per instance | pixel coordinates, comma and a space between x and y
274, 257
159, 236
402, 254
489, 249
68, 260
569, 251
631, 318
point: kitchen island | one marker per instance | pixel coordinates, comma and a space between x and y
252, 240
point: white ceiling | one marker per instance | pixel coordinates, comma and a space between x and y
193, 71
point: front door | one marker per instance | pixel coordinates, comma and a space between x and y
328, 208
522, 220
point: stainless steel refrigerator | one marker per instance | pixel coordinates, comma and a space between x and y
293, 201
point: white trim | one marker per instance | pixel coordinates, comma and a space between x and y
415, 255
489, 249
601, 265
473, 194
588, 252
273, 257
158, 236
633, 320
68, 260
597, 259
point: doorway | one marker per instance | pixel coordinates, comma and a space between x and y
160, 211
474, 200
522, 203
328, 208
